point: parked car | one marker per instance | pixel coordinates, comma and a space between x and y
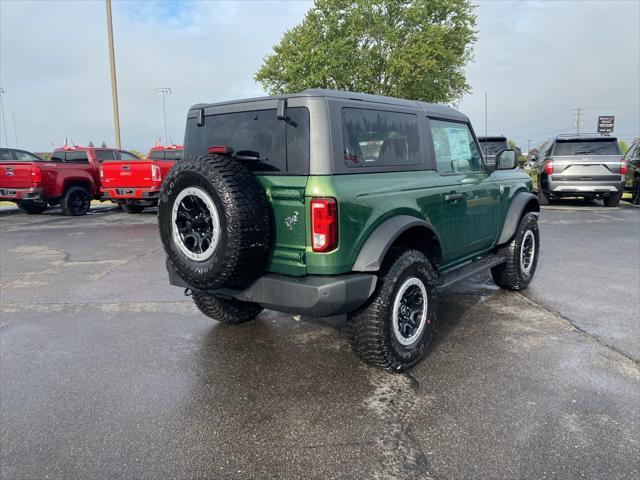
632, 177
276, 204
69, 179
588, 166
491, 146
134, 183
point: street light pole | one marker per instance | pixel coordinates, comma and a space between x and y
15, 131
164, 91
4, 122
112, 64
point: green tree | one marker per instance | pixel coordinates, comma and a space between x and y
104, 144
623, 146
512, 144
91, 143
405, 48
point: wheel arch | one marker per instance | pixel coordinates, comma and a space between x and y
77, 182
522, 203
401, 230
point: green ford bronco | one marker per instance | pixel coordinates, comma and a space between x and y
325, 203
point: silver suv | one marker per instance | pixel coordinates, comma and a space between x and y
588, 166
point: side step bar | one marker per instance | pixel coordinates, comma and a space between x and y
469, 269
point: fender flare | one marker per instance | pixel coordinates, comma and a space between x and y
377, 245
521, 201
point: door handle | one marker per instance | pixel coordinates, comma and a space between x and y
453, 196
125, 167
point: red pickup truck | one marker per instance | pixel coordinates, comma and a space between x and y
135, 184
70, 178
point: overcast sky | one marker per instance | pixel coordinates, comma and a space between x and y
537, 61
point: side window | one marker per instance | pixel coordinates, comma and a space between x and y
26, 156
456, 150
104, 155
126, 156
297, 133
373, 138
57, 156
76, 157
5, 155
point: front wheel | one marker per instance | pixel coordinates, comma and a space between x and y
231, 312
76, 201
396, 327
31, 207
521, 256
635, 192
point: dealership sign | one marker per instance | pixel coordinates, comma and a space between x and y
605, 124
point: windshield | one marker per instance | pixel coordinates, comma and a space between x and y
587, 147
492, 148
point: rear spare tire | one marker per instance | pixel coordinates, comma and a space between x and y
215, 222
29, 206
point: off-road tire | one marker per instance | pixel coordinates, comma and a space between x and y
244, 214
76, 201
635, 192
612, 200
31, 207
132, 207
509, 275
373, 337
543, 198
231, 312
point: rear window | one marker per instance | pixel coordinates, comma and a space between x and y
156, 155
171, 155
492, 148
69, 157
373, 138
586, 147
104, 155
262, 142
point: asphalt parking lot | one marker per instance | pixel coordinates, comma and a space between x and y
106, 371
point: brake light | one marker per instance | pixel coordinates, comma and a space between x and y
101, 173
156, 176
623, 167
220, 150
548, 166
36, 174
324, 224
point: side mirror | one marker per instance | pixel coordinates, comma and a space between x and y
506, 160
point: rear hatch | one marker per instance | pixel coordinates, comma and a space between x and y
277, 152
127, 174
588, 160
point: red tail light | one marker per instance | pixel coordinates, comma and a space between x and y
156, 176
220, 150
101, 173
548, 166
324, 224
36, 174
623, 168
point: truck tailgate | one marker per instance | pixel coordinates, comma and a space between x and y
126, 174
17, 174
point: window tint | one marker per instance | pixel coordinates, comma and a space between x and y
455, 148
373, 138
104, 155
172, 155
586, 147
492, 148
5, 155
126, 156
76, 157
156, 155
26, 156
57, 156
297, 132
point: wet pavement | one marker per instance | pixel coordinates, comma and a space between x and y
106, 371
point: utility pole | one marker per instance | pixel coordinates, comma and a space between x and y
114, 86
485, 115
4, 122
15, 132
164, 91
578, 115
528, 146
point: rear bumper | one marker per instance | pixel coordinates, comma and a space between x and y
581, 187
315, 296
34, 193
134, 193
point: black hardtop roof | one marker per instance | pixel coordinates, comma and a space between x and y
431, 109
583, 136
493, 138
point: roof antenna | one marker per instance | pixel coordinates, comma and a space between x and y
72, 144
171, 141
